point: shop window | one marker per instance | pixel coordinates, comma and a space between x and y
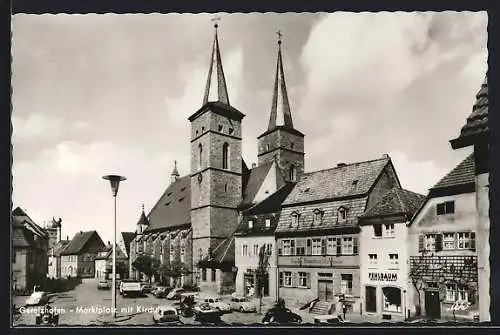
447, 207
346, 284
204, 274
392, 299
377, 230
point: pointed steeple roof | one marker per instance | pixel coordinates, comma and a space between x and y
175, 172
143, 220
216, 89
280, 108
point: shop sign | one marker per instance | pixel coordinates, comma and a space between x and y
382, 276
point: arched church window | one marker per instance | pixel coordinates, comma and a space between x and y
293, 173
200, 153
225, 156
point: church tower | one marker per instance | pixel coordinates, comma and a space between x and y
216, 162
281, 141
143, 223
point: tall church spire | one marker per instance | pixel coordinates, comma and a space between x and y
175, 173
216, 89
280, 108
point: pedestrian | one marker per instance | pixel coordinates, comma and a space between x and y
344, 309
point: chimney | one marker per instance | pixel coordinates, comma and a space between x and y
341, 164
254, 165
385, 156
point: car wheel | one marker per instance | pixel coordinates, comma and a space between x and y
242, 310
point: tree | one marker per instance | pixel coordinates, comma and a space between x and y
262, 273
146, 265
175, 270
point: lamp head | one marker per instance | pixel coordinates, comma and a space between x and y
114, 180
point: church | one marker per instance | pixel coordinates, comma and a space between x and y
201, 222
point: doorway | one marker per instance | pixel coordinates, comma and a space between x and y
432, 304
325, 290
371, 299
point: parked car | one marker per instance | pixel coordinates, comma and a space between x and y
205, 313
130, 288
187, 303
47, 316
147, 288
216, 303
175, 294
279, 314
161, 291
37, 298
104, 285
242, 304
166, 314
328, 319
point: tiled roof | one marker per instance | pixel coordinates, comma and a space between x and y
108, 249
19, 216
477, 122
143, 220
272, 203
127, 238
252, 182
396, 201
218, 108
462, 174
173, 209
344, 181
78, 242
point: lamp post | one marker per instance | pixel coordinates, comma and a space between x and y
114, 180
404, 303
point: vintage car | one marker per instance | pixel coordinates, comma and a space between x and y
216, 303
47, 316
37, 298
147, 288
130, 288
166, 315
328, 319
242, 304
161, 291
175, 294
205, 313
187, 303
104, 285
279, 314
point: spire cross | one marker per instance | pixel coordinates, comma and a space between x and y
175, 164
279, 35
215, 19
143, 207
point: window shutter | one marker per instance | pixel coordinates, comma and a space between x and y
281, 279
308, 280
294, 279
280, 245
323, 246
420, 243
339, 246
309, 250
473, 241
355, 245
292, 247
439, 242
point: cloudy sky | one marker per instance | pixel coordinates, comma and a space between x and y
99, 94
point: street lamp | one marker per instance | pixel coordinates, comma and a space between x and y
114, 180
404, 304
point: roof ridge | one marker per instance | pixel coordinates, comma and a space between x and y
347, 164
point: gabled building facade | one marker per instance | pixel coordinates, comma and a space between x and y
104, 262
54, 259
443, 264
30, 244
78, 258
384, 254
318, 232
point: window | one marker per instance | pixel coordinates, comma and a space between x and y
447, 207
231, 131
347, 246
316, 246
214, 274
392, 299
317, 216
288, 247
463, 293
225, 156
295, 219
389, 230
200, 155
268, 223
268, 147
244, 250
449, 241
301, 247
451, 293
293, 173
287, 279
250, 224
292, 145
220, 128
464, 241
331, 246
255, 249
346, 284
197, 132
204, 274
225, 188
342, 214
202, 129
303, 282
269, 248
393, 258
373, 258
377, 230
430, 242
